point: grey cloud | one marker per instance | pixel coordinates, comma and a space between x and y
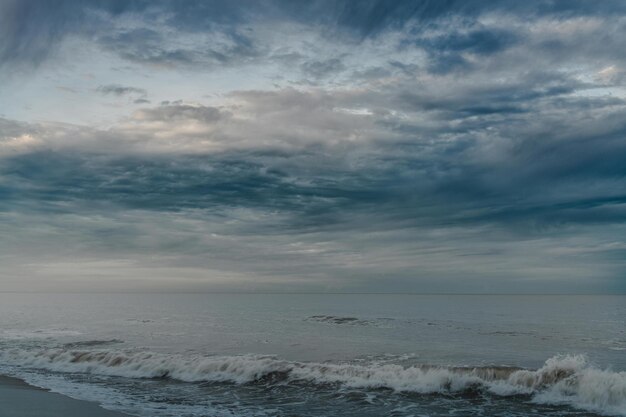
446, 50
120, 90
469, 136
151, 46
371, 73
240, 48
366, 18
479, 41
421, 182
146, 46
328, 211
323, 69
30, 30
407, 69
481, 97
225, 35
275, 199
176, 112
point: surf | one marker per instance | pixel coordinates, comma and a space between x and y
562, 380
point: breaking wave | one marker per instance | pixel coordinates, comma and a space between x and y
566, 379
91, 343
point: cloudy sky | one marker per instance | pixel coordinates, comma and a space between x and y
332, 146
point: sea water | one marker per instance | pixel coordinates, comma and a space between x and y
322, 354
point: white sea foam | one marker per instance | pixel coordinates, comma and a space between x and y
114, 398
567, 379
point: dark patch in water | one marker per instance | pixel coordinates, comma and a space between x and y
338, 320
507, 333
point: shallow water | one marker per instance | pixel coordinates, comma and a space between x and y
322, 355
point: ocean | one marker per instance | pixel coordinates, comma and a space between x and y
322, 354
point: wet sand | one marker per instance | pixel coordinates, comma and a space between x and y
18, 399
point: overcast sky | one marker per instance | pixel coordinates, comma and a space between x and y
333, 146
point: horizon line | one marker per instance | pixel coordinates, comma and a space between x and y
308, 293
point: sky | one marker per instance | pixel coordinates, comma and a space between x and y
321, 146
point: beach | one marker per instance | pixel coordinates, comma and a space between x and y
19, 399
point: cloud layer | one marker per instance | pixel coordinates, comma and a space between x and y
405, 146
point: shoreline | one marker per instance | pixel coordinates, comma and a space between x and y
20, 399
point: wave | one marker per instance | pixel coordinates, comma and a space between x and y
14, 334
350, 321
565, 379
91, 343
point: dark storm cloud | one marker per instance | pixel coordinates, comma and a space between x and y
214, 183
476, 41
29, 30
328, 211
446, 51
515, 96
572, 177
